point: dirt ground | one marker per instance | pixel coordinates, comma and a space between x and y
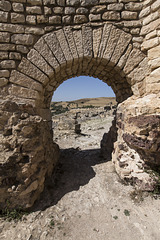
85, 199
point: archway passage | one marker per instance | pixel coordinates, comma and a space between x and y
28, 154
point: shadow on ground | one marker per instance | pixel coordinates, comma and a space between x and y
73, 170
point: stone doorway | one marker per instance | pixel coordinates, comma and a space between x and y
28, 154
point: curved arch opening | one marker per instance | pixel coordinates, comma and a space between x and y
82, 110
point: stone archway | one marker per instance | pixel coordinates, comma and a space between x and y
28, 154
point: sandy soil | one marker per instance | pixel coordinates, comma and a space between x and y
85, 200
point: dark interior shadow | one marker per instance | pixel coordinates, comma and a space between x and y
73, 170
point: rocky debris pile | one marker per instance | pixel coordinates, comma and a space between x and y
71, 121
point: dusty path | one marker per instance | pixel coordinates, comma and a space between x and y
86, 200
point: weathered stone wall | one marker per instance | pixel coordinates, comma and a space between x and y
43, 43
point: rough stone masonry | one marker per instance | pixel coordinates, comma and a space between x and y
43, 43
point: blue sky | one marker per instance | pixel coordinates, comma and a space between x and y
82, 87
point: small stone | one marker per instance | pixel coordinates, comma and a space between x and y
98, 9
55, 20
22, 49
58, 10
93, 17
3, 55
111, 15
69, 10
82, 10
67, 19
8, 64
18, 7
115, 6
5, 5
42, 19
47, 11
128, 15
31, 19
4, 37
80, 19
25, 39
15, 56
17, 18
34, 10
4, 73
3, 82
3, 16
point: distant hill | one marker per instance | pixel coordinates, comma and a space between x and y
84, 102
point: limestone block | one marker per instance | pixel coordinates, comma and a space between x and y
29, 69
98, 9
105, 36
153, 88
139, 73
13, 28
69, 10
131, 6
34, 10
155, 63
17, 18
55, 20
154, 52
24, 39
31, 19
25, 81
73, 2
42, 19
133, 23
135, 57
35, 2
155, 6
4, 37
5, 5
112, 42
93, 17
47, 11
45, 51
128, 15
34, 57
88, 2
151, 35
146, 11
111, 15
69, 36
150, 27
58, 10
150, 43
67, 19
15, 55
17, 7
80, 19
34, 30
45, 2
82, 10
23, 92
115, 6
3, 55
10, 64
3, 16
77, 34
97, 33
64, 45
3, 81
87, 41
156, 73
22, 49
54, 45
7, 47
122, 44
151, 17
4, 73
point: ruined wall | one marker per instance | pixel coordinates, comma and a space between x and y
42, 44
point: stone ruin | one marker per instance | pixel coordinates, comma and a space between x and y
45, 42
